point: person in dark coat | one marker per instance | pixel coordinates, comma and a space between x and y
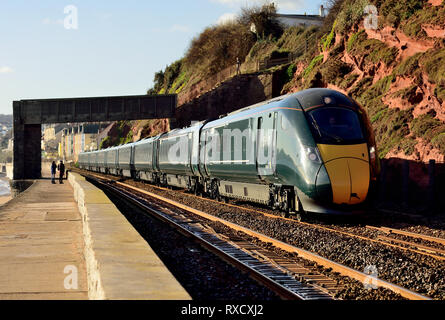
61, 168
53, 172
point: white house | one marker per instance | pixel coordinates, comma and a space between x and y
292, 20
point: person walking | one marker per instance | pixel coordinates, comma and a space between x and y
53, 172
61, 168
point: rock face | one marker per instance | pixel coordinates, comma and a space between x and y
396, 73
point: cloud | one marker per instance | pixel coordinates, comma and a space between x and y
226, 17
281, 4
6, 70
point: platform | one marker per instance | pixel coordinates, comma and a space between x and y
41, 239
69, 241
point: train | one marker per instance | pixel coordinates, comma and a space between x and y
313, 151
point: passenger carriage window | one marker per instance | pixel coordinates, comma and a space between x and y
284, 122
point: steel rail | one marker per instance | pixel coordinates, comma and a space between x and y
336, 267
409, 234
278, 281
378, 241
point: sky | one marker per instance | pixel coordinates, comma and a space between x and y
88, 48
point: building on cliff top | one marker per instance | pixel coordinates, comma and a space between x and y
294, 20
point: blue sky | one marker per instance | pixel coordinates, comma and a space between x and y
116, 49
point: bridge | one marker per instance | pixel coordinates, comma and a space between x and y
29, 115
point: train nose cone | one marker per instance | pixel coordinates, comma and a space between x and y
349, 180
348, 171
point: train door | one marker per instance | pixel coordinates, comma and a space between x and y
266, 145
203, 154
132, 166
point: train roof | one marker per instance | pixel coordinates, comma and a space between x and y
306, 99
303, 100
319, 97
145, 140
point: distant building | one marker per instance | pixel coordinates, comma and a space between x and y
293, 20
49, 133
78, 139
10, 145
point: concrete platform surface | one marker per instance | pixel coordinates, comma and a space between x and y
120, 263
41, 245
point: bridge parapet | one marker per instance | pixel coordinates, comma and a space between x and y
29, 115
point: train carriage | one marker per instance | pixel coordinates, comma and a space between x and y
144, 159
125, 160
100, 156
112, 156
177, 157
81, 161
309, 151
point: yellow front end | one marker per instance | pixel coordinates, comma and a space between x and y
349, 171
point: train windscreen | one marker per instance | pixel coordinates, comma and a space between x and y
336, 125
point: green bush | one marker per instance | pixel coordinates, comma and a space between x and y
327, 39
391, 129
351, 13
409, 66
395, 12
263, 18
218, 47
105, 143
434, 64
373, 50
427, 127
316, 61
334, 70
439, 142
408, 145
434, 15
291, 71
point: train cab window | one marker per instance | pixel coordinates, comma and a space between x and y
336, 125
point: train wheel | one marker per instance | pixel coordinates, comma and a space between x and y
300, 214
214, 192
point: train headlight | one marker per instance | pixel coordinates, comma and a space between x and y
372, 153
313, 154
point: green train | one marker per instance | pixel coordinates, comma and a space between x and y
311, 151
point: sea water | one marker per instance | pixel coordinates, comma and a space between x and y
5, 188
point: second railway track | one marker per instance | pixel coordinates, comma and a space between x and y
248, 257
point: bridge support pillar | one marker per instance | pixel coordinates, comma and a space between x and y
27, 150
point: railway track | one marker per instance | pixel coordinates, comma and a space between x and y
404, 245
326, 285
272, 271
